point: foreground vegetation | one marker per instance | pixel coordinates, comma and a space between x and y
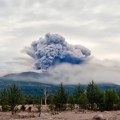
92, 98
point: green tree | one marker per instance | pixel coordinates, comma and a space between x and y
78, 92
51, 102
99, 99
111, 99
14, 97
83, 101
4, 99
71, 101
95, 96
60, 98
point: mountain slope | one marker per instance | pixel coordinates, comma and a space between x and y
37, 88
27, 76
33, 83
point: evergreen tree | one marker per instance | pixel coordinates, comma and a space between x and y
95, 96
83, 101
51, 102
99, 99
71, 101
60, 98
111, 99
14, 97
78, 92
4, 99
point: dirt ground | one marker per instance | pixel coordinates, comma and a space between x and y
68, 115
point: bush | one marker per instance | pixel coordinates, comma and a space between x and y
6, 108
22, 108
52, 107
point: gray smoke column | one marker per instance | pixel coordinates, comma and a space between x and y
53, 50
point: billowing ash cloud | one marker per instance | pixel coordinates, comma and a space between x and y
53, 49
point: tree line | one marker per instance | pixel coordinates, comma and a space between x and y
12, 96
91, 98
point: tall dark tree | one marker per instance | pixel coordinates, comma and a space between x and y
78, 92
60, 98
14, 97
94, 95
4, 99
71, 101
100, 99
111, 99
83, 101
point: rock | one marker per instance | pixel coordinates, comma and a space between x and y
45, 108
98, 117
34, 109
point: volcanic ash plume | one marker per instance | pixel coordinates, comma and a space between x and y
53, 50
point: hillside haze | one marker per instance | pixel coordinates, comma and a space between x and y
33, 83
27, 76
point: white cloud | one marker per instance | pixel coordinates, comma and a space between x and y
96, 70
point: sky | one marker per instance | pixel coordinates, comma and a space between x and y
94, 24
